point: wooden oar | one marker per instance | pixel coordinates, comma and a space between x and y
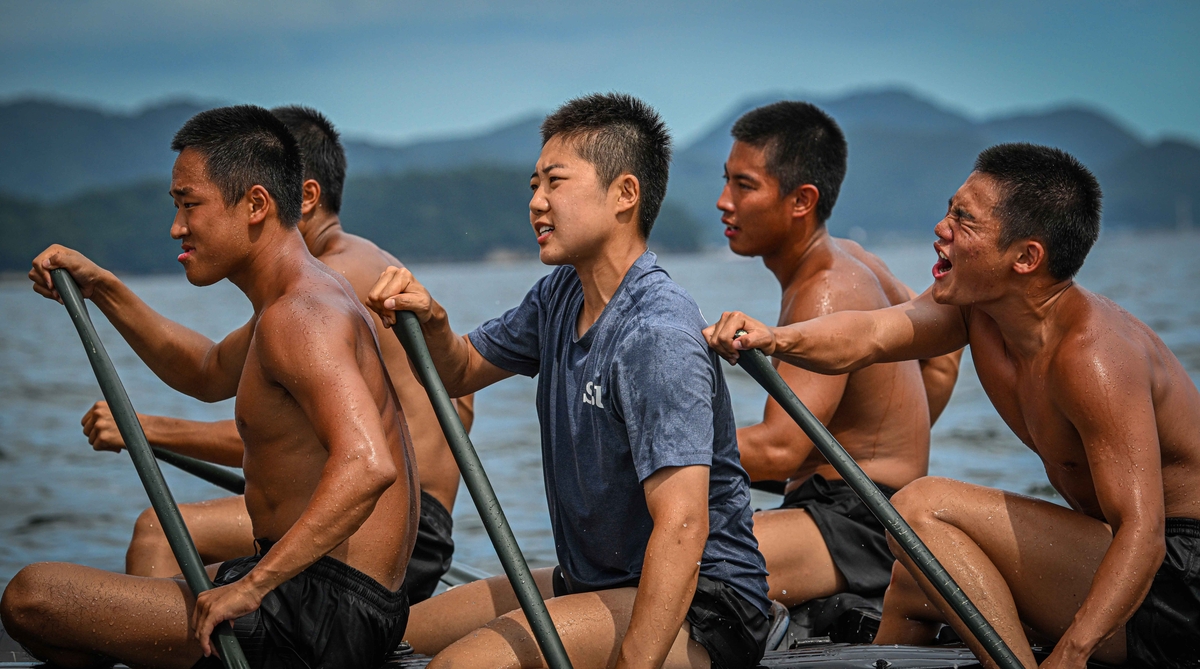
408, 331
758, 367
143, 460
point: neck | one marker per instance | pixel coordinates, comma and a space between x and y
786, 262
275, 257
320, 230
602, 274
1026, 317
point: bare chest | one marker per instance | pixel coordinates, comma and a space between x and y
1022, 394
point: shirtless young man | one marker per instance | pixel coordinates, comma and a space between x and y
650, 509
221, 527
330, 488
781, 182
1092, 390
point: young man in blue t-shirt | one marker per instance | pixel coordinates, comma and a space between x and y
649, 505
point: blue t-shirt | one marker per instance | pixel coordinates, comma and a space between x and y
639, 391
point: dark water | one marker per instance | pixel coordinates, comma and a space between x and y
59, 500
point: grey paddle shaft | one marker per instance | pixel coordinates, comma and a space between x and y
143, 459
408, 330
757, 365
205, 471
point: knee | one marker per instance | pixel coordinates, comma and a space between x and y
916, 501
25, 604
147, 529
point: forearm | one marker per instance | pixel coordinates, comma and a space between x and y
1120, 585
217, 442
669, 575
343, 501
173, 352
838, 343
451, 353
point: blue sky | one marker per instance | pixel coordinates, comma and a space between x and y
404, 70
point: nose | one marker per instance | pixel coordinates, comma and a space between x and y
178, 227
538, 204
725, 202
943, 230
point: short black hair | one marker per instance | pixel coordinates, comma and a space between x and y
320, 149
1047, 195
803, 145
245, 145
618, 134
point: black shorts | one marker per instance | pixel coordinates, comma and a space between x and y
731, 629
856, 540
433, 551
1164, 631
328, 616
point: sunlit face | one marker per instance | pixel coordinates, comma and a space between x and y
971, 268
757, 218
213, 237
572, 214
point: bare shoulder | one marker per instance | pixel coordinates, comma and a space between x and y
360, 261
844, 283
1102, 348
315, 314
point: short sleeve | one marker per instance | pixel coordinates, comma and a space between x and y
664, 392
512, 342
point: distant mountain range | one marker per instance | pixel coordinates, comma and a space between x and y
907, 156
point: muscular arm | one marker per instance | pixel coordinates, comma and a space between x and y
847, 341
217, 441
463, 369
183, 358
677, 498
775, 448
939, 375
318, 366
1109, 402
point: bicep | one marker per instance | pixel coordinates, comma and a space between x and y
225, 360
480, 373
672, 492
918, 329
1111, 407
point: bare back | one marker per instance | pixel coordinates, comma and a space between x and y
361, 262
285, 457
1092, 338
882, 415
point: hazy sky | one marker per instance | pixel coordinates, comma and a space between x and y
401, 70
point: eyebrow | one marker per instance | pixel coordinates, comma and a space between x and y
959, 211
547, 168
186, 190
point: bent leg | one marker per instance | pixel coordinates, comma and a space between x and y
220, 528
76, 616
799, 565
439, 621
591, 625
1019, 559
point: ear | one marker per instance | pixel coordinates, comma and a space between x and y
312, 196
1031, 255
804, 200
259, 201
628, 192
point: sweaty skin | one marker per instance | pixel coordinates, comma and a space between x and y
1093, 391
328, 460
578, 221
879, 413
219, 527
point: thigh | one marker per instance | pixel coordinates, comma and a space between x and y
591, 625
132, 619
221, 528
440, 621
799, 565
1046, 553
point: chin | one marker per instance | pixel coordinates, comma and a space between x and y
550, 256
201, 279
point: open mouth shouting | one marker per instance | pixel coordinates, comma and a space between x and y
943, 265
543, 231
